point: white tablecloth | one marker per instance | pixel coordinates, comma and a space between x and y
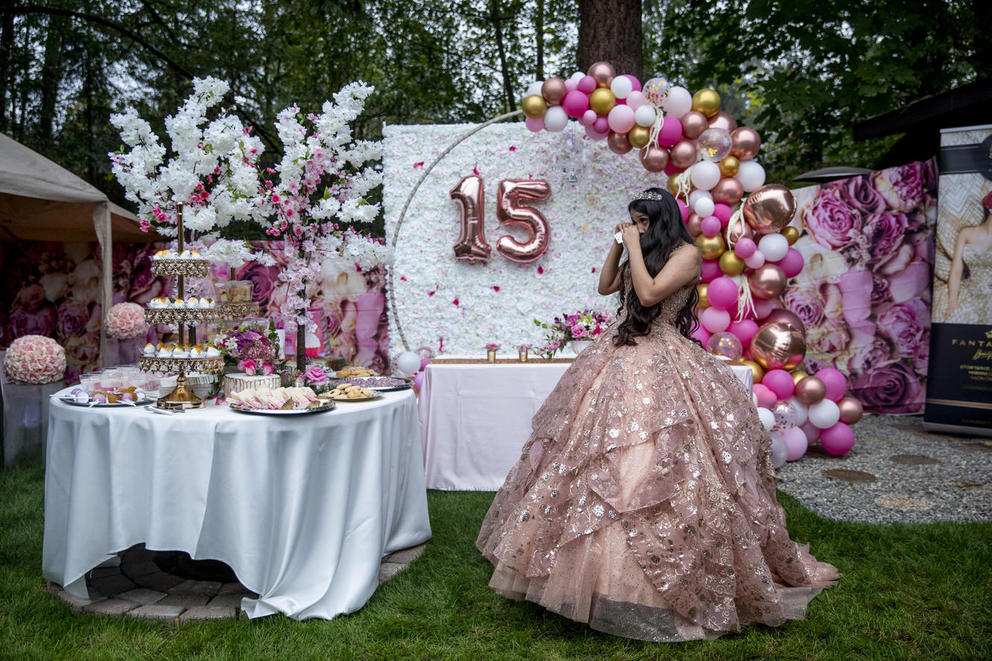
302, 508
476, 417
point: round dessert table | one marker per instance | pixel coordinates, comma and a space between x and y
302, 507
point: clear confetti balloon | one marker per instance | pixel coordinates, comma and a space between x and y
714, 144
725, 344
656, 90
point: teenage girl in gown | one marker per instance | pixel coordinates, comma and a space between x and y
644, 502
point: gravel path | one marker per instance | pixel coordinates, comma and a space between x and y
896, 472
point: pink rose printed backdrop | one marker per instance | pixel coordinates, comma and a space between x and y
53, 289
864, 294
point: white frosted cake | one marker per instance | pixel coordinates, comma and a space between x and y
240, 381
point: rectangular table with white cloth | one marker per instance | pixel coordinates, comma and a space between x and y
475, 418
301, 507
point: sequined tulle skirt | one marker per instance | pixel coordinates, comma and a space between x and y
644, 502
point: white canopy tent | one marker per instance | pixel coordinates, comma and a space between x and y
42, 201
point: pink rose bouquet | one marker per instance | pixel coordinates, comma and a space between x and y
35, 359
125, 321
585, 325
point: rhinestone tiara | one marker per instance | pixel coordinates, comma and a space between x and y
649, 195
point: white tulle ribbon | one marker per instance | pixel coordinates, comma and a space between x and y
659, 121
685, 184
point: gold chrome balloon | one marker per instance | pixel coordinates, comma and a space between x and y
602, 100
673, 181
729, 166
706, 101
731, 264
639, 137
701, 293
710, 247
534, 106
791, 234
798, 375
756, 370
778, 346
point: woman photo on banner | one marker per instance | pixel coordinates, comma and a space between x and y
970, 277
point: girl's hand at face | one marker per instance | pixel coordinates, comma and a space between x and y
621, 227
631, 236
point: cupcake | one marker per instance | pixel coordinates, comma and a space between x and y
195, 352
181, 352
207, 302
210, 351
164, 352
149, 350
192, 302
186, 254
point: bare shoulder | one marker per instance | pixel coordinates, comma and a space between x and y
687, 253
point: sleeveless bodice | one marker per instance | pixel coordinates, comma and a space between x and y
669, 307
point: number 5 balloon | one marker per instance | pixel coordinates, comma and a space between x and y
512, 213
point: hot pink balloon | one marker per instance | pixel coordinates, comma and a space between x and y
575, 103
683, 209
535, 124
709, 270
621, 119
722, 293
766, 398
745, 247
671, 132
700, 334
835, 382
710, 225
714, 320
636, 99
837, 440
634, 83
795, 442
779, 382
418, 380
593, 134
792, 263
587, 84
723, 212
602, 125
672, 169
744, 330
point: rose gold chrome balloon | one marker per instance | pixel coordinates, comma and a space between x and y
553, 90
722, 120
512, 213
767, 281
777, 346
471, 245
850, 409
654, 159
746, 141
603, 72
770, 208
693, 225
810, 391
693, 123
683, 153
728, 191
786, 317
618, 143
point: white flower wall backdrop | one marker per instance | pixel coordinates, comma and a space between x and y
459, 307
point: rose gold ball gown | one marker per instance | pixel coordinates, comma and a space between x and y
644, 501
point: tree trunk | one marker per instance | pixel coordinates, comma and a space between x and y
539, 33
610, 31
50, 78
6, 46
497, 21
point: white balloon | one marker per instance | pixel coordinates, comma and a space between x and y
704, 206
705, 174
679, 101
535, 88
751, 175
773, 246
824, 414
621, 86
696, 194
645, 115
408, 362
767, 418
578, 75
797, 411
780, 451
738, 279
555, 119
756, 260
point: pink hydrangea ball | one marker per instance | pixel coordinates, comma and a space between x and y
35, 359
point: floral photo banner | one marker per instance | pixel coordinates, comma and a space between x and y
864, 294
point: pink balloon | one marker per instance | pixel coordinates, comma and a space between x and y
744, 330
792, 263
588, 118
700, 334
621, 119
418, 379
835, 381
722, 294
634, 83
744, 248
837, 440
766, 398
424, 362
636, 99
763, 307
602, 125
779, 382
575, 103
593, 134
683, 209
710, 270
534, 124
672, 169
587, 84
756, 260
723, 212
710, 225
795, 442
714, 319
671, 132
570, 85
812, 432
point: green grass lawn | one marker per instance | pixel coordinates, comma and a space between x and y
921, 591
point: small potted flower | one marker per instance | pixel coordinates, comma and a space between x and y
522, 351
576, 330
491, 350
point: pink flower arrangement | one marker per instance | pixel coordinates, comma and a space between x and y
252, 367
492, 347
125, 321
315, 377
35, 359
585, 325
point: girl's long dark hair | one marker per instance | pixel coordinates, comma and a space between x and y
665, 233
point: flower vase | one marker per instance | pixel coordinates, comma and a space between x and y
491, 355
578, 345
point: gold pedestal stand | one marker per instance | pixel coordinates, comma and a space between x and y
180, 398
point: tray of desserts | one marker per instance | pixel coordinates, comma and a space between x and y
377, 383
278, 401
110, 397
349, 392
169, 263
